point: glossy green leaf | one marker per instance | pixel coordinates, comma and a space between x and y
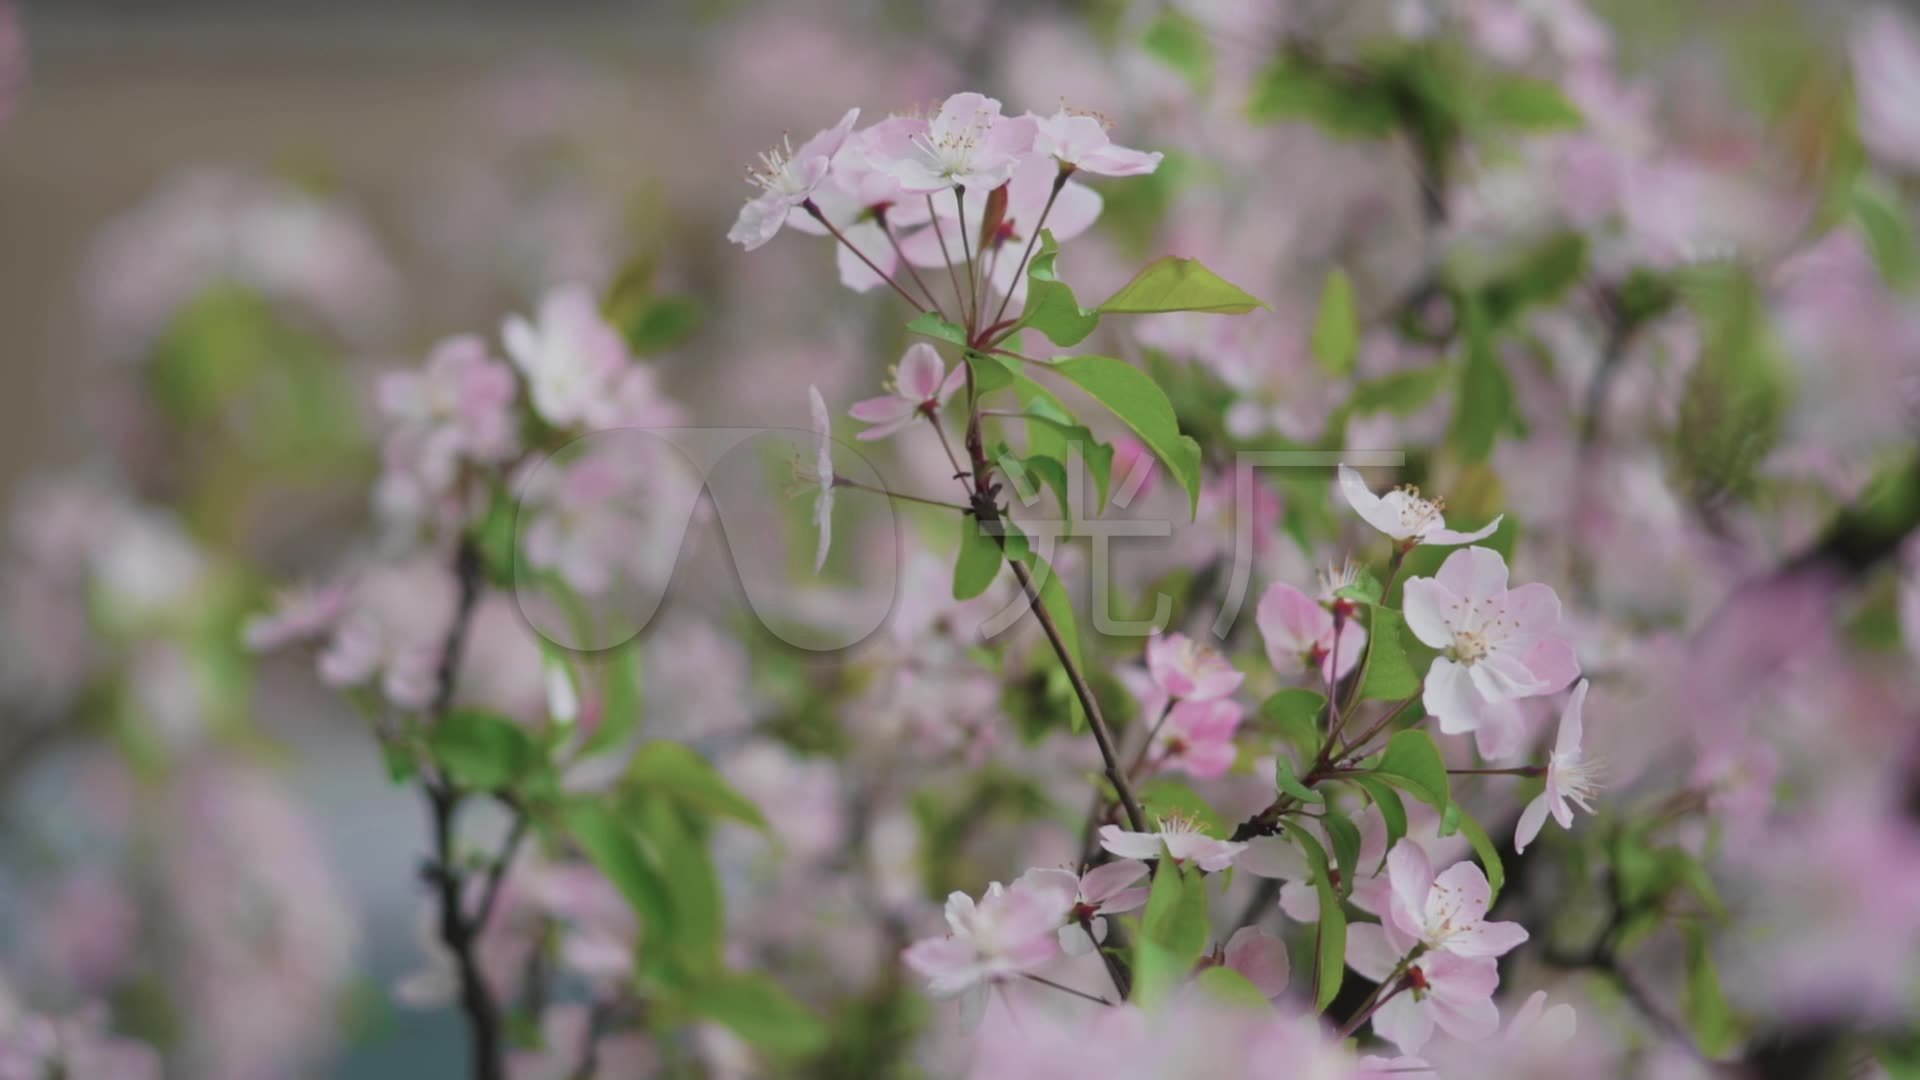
978, 562
674, 769
1389, 675
1139, 403
1413, 764
1288, 781
1051, 307
480, 750
612, 848
1172, 283
1345, 839
1330, 934
624, 695
1401, 392
1173, 932
989, 374
1392, 811
1295, 88
930, 324
673, 838
1295, 714
1705, 1003
1336, 331
755, 1008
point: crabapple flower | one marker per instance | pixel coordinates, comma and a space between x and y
1261, 957
1189, 669
966, 144
1197, 738
1406, 515
1299, 634
1009, 931
1182, 840
299, 614
787, 178
921, 385
461, 404
1444, 989
1105, 890
1498, 644
1445, 913
1078, 141
572, 358
822, 475
1030, 197
1571, 777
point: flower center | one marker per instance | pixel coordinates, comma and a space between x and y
1577, 776
950, 152
774, 174
1419, 513
1470, 645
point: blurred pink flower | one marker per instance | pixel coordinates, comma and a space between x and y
1885, 48
1498, 645
298, 614
787, 178
921, 386
571, 357
1010, 931
821, 476
1571, 777
1189, 669
1406, 515
1197, 738
1261, 957
1103, 890
1299, 634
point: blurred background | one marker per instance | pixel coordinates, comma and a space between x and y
339, 185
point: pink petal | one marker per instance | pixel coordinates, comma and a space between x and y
1369, 952
1411, 873
1449, 537
1103, 882
1450, 697
1129, 845
919, 373
1571, 724
1113, 160
1474, 574
1261, 957
1404, 1022
1531, 820
1487, 939
1427, 606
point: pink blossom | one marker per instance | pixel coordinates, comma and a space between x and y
1445, 989
787, 178
299, 614
1028, 195
1885, 49
1261, 957
1189, 669
461, 405
1406, 515
1078, 141
1447, 912
1011, 930
1571, 778
572, 359
921, 384
1182, 840
966, 144
1299, 634
1498, 645
821, 475
1197, 738
1104, 890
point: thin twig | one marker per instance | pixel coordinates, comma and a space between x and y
810, 208
1082, 994
1033, 237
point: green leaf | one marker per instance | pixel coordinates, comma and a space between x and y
759, 1011
1230, 987
1484, 401
1535, 277
1703, 1000
989, 374
1294, 87
1330, 936
1166, 797
678, 843
669, 768
1140, 404
1484, 848
1389, 675
1413, 764
1295, 713
625, 700
930, 324
1518, 102
1336, 332
480, 750
609, 845
1288, 781
1365, 589
1057, 441
1173, 932
1392, 811
1051, 307
664, 322
1179, 42
1889, 233
1345, 839
1401, 393
978, 562
1172, 283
